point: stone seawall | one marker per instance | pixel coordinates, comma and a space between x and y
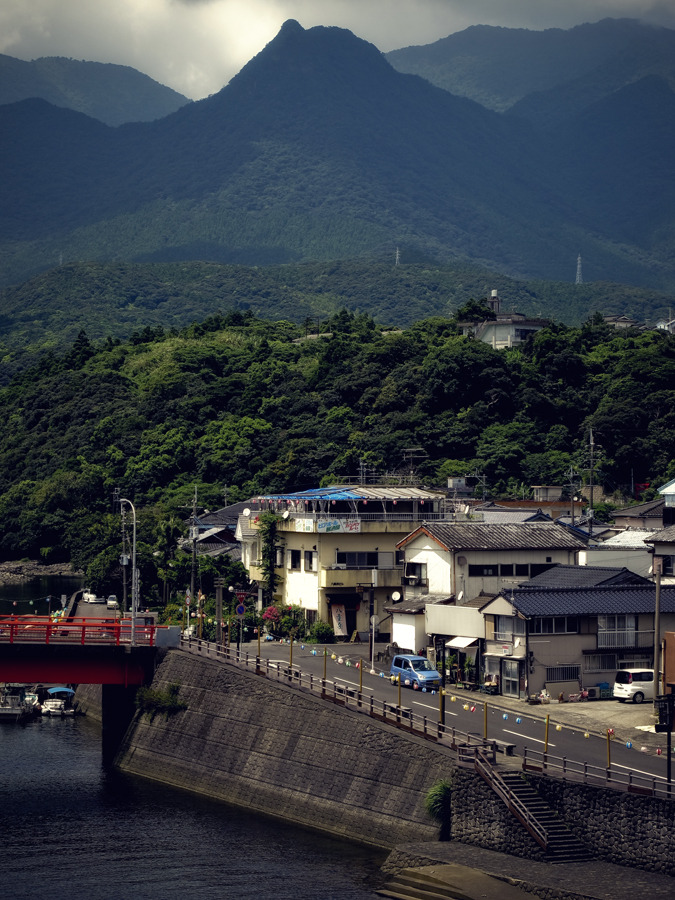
273, 749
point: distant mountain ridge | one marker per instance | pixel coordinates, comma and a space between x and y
542, 75
318, 149
111, 93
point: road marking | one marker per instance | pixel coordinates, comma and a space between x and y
525, 738
636, 771
435, 708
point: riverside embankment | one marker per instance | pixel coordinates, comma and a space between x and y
271, 748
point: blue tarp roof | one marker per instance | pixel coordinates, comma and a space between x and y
60, 690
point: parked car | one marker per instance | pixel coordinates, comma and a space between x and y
415, 671
634, 684
112, 603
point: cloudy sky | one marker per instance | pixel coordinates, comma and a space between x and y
196, 46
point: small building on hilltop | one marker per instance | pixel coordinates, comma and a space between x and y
505, 329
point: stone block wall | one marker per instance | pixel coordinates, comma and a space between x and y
618, 827
271, 748
481, 818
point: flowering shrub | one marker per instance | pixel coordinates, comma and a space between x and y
285, 620
272, 617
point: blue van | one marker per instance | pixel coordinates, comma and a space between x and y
415, 671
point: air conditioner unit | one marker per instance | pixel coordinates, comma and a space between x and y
412, 579
341, 566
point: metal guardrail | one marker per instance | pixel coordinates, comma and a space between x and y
490, 775
348, 695
571, 770
467, 745
82, 631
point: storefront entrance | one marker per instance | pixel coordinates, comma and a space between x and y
511, 677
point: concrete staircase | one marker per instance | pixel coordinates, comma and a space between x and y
449, 882
562, 846
415, 884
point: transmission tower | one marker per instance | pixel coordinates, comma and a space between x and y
398, 257
580, 279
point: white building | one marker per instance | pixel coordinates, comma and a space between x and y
336, 554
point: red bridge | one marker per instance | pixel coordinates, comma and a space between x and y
80, 650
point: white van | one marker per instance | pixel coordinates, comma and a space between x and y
634, 684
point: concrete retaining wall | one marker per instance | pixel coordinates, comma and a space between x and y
274, 749
271, 748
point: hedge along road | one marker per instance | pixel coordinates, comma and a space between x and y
576, 731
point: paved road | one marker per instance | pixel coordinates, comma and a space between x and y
576, 731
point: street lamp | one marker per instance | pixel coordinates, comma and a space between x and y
134, 573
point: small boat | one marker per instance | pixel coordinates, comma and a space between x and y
13, 706
54, 706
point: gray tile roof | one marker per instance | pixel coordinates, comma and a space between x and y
525, 536
561, 576
650, 508
665, 535
592, 601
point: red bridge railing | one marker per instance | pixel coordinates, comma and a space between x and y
76, 630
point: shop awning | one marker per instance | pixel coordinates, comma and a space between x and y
460, 643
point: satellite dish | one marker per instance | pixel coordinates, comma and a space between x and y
284, 514
396, 596
246, 512
460, 596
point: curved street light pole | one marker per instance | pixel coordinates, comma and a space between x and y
134, 574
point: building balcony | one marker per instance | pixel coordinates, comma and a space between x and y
338, 576
624, 639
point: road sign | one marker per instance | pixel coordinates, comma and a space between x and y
240, 610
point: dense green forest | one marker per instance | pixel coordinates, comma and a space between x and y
249, 405
115, 299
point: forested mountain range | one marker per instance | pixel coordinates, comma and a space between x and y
318, 149
116, 299
546, 76
249, 405
113, 94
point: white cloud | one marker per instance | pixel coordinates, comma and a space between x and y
196, 46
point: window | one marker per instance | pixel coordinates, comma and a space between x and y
481, 571
522, 569
416, 573
311, 560
616, 631
555, 625
293, 559
506, 569
600, 662
508, 627
361, 560
562, 673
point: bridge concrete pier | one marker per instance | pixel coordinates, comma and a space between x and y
117, 710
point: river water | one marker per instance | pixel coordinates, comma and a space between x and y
71, 828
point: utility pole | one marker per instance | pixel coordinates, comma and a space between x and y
590, 505
193, 536
572, 476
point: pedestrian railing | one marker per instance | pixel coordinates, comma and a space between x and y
76, 630
619, 779
350, 696
485, 768
472, 749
